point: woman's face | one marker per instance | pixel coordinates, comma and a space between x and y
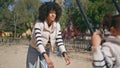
51, 17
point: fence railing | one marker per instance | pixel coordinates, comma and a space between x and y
13, 41
70, 44
77, 44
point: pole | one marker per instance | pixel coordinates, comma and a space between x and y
85, 17
116, 5
14, 26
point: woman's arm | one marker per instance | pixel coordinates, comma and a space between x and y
37, 33
60, 44
48, 60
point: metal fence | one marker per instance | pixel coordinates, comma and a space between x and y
13, 41
70, 44
77, 45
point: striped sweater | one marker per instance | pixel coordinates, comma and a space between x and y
109, 51
42, 33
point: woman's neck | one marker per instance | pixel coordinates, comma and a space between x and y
49, 23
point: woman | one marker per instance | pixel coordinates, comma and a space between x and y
107, 54
46, 33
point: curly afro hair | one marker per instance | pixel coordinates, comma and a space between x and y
46, 8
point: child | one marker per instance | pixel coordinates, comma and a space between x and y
107, 54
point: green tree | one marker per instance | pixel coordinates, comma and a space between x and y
63, 19
95, 11
25, 12
17, 15
5, 14
78, 20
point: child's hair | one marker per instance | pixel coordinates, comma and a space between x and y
46, 8
110, 21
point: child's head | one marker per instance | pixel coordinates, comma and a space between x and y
112, 23
46, 8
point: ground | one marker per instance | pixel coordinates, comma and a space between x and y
14, 56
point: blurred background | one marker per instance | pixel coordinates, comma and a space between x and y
17, 18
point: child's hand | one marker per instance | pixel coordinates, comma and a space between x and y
95, 39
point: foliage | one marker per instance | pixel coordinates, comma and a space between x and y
25, 12
17, 15
5, 14
63, 20
5, 3
95, 10
78, 20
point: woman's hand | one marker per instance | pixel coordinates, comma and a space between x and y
67, 59
95, 39
49, 61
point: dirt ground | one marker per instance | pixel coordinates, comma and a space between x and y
14, 56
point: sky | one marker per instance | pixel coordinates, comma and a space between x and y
44, 0
67, 2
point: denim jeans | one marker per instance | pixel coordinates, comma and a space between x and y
32, 58
58, 52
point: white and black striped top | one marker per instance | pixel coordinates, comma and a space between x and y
107, 55
41, 34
